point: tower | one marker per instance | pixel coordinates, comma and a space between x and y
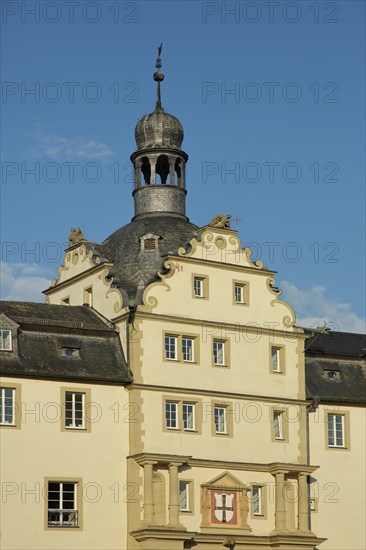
159, 161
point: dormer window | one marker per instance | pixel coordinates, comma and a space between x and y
71, 352
149, 242
332, 374
5, 340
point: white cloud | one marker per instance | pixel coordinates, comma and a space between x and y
313, 308
60, 147
23, 281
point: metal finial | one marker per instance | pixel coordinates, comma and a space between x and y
158, 77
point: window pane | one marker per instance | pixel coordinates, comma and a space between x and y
198, 286
171, 414
275, 359
183, 496
220, 419
7, 396
256, 500
218, 352
170, 347
239, 293
5, 339
277, 425
188, 416
74, 409
187, 349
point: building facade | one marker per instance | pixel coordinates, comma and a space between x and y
202, 438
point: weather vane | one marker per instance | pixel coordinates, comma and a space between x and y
158, 76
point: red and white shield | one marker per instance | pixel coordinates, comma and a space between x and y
224, 506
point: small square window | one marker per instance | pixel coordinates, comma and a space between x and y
5, 340
71, 352
62, 504
74, 410
171, 415
220, 419
171, 348
7, 406
184, 496
218, 352
336, 430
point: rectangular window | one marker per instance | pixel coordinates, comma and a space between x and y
171, 415
7, 406
62, 507
278, 424
74, 410
188, 349
198, 287
5, 340
239, 293
171, 347
220, 419
336, 430
188, 410
218, 352
257, 500
276, 359
184, 503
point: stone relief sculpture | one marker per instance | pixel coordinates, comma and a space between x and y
76, 236
221, 222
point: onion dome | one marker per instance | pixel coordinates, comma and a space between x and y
159, 129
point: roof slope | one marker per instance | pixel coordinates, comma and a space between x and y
46, 332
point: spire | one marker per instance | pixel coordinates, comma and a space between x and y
158, 77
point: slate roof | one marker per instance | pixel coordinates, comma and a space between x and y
343, 353
46, 329
133, 267
342, 344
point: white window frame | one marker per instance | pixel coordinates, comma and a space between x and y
257, 504
239, 293
184, 486
332, 424
186, 339
216, 352
276, 359
168, 340
218, 408
199, 289
61, 510
73, 425
4, 406
188, 404
168, 419
3, 339
279, 416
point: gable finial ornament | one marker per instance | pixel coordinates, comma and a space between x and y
221, 222
76, 236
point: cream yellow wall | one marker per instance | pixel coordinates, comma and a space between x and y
40, 449
339, 483
250, 440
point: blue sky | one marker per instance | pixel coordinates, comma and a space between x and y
271, 96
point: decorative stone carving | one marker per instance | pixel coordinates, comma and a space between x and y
224, 503
76, 236
221, 222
